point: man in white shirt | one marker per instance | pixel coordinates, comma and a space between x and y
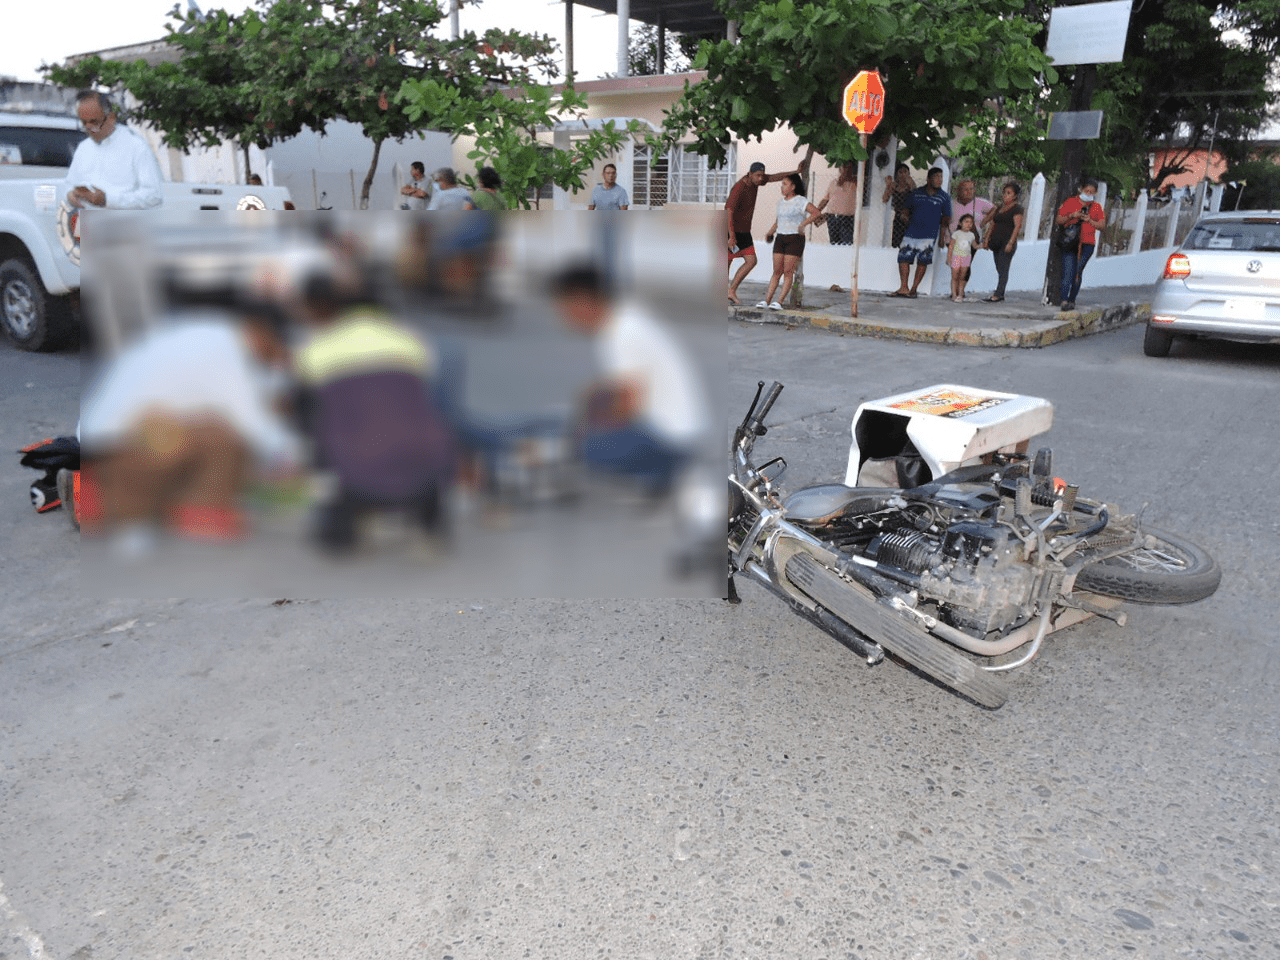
169, 430
448, 195
416, 193
609, 196
646, 417
113, 166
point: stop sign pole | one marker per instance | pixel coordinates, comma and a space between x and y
862, 107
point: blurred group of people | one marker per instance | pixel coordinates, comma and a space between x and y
323, 380
445, 193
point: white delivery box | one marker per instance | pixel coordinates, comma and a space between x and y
949, 426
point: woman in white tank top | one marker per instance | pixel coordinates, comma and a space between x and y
795, 213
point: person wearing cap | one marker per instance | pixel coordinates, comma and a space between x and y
741, 207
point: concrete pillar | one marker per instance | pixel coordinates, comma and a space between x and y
939, 283
1035, 209
1215, 198
568, 39
624, 37
1174, 207
1139, 222
662, 41
886, 209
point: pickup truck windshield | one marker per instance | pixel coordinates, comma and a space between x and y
35, 147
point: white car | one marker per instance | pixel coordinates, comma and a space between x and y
1223, 283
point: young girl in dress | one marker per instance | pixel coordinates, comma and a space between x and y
963, 243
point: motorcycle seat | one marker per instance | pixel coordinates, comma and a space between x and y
822, 503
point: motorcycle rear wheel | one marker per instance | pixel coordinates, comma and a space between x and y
856, 606
1169, 569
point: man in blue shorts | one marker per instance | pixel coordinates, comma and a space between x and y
929, 210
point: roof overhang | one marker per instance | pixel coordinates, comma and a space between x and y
682, 16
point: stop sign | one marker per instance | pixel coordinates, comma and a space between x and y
863, 103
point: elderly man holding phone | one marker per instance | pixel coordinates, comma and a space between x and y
113, 166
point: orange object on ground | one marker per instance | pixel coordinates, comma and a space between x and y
87, 501
209, 524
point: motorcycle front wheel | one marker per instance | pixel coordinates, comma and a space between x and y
1166, 569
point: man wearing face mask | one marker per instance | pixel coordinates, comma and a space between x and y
1082, 210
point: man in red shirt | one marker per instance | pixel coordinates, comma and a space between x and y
741, 207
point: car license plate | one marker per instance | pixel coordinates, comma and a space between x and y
1248, 310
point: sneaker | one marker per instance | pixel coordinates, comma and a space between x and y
775, 305
1066, 305
762, 304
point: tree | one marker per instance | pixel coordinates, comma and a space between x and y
1253, 185
1005, 137
269, 73
212, 94
938, 61
1194, 71
680, 50
505, 126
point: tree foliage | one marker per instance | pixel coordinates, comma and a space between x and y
1194, 71
505, 124
939, 60
1253, 184
679, 51
289, 65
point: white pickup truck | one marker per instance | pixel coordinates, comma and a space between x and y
39, 233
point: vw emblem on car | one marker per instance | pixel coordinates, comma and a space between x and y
1254, 266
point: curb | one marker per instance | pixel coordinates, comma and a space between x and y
1042, 332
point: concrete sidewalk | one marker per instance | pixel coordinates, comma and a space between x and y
1020, 320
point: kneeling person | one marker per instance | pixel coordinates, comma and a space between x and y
646, 416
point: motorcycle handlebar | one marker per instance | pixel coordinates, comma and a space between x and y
754, 422
775, 388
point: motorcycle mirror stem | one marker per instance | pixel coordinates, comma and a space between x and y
752, 409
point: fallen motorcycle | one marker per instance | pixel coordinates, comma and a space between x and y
954, 573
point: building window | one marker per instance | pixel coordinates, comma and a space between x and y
680, 176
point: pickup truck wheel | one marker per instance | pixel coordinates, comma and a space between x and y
32, 318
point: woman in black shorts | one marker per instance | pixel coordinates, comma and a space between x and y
794, 214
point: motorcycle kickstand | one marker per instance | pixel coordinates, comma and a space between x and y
732, 595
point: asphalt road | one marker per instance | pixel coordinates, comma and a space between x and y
661, 779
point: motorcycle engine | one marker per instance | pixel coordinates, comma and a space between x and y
970, 566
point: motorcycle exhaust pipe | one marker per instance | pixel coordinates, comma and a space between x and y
821, 618
872, 652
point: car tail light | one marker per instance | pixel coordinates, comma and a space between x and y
1177, 267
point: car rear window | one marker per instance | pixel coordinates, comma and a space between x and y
38, 147
1247, 233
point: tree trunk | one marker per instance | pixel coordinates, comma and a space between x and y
797, 286
368, 177
245, 148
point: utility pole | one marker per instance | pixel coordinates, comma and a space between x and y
1072, 169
